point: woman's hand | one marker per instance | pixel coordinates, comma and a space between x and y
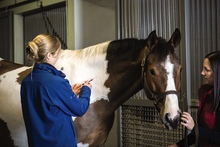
87, 83
76, 88
187, 121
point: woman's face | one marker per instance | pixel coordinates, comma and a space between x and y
207, 72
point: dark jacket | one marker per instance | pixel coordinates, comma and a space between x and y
48, 103
208, 122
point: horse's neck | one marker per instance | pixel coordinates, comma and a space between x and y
85, 64
110, 83
124, 85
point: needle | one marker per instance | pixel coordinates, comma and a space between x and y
91, 80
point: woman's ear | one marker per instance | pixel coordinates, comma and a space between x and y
48, 56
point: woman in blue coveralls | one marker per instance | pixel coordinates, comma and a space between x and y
47, 98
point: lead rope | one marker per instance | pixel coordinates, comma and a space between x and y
185, 131
195, 129
196, 134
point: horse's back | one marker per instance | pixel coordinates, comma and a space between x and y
6, 66
11, 75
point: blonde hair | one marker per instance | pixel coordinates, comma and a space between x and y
38, 48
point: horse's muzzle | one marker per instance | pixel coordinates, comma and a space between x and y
172, 123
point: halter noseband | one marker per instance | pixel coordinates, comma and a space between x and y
153, 98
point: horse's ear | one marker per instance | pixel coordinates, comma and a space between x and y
152, 40
175, 38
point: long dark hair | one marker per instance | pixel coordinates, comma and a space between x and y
214, 59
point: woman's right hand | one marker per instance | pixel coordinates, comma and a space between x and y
87, 83
187, 121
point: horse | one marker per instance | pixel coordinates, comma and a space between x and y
119, 69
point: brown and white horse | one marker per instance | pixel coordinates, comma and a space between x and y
120, 69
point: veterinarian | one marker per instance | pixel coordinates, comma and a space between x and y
48, 100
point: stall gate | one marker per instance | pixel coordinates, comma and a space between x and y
141, 125
51, 20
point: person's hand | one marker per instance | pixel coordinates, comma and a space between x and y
87, 83
76, 88
172, 145
187, 121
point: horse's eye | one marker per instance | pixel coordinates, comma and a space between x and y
152, 72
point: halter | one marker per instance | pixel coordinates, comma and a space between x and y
153, 97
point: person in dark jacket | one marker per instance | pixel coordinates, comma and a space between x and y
209, 108
47, 98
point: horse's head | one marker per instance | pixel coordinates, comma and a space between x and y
161, 76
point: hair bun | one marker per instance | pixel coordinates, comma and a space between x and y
28, 50
32, 51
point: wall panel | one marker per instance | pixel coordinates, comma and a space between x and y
6, 37
204, 35
37, 22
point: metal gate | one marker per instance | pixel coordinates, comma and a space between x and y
51, 20
141, 125
6, 37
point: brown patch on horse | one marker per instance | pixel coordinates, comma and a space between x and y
93, 128
5, 138
23, 74
6, 66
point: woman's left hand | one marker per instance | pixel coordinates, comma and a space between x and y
76, 88
187, 121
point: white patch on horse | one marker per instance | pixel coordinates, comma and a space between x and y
10, 91
79, 66
171, 103
82, 145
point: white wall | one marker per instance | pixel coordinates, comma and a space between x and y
94, 22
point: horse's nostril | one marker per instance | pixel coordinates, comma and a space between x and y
167, 117
179, 112
173, 122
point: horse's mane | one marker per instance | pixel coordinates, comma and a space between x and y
86, 52
96, 49
118, 47
162, 49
